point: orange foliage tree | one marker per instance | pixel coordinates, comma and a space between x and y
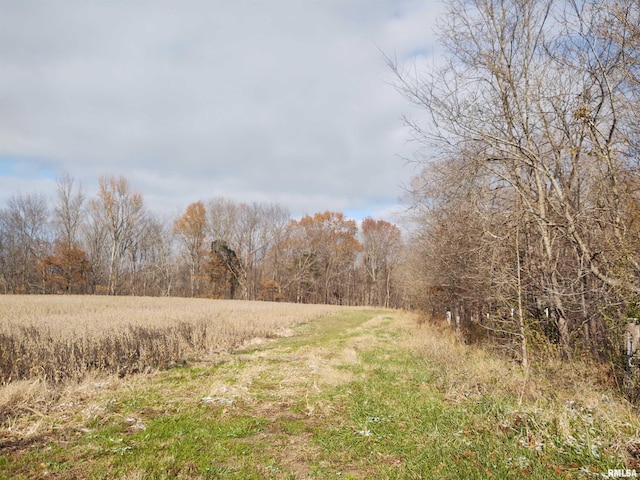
191, 229
321, 252
270, 291
66, 270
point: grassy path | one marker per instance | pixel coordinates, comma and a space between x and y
352, 395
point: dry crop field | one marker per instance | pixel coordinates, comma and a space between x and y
56, 338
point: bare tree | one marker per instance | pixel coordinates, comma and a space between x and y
25, 242
119, 213
68, 210
381, 244
531, 101
151, 262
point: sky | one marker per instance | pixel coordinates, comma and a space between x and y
279, 101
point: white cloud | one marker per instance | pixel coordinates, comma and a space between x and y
281, 101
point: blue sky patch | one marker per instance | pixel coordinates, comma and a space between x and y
12, 166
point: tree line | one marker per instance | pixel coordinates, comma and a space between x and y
112, 244
527, 208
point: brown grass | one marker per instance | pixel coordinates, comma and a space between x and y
57, 338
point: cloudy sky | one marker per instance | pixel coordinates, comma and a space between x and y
281, 101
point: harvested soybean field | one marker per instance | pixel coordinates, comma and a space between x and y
56, 338
337, 393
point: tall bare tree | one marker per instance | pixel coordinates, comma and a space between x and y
381, 244
118, 212
68, 210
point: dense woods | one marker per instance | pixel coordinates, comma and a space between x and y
527, 205
113, 245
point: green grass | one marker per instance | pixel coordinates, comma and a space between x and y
395, 412
399, 428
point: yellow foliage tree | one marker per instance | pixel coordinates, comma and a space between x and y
191, 231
